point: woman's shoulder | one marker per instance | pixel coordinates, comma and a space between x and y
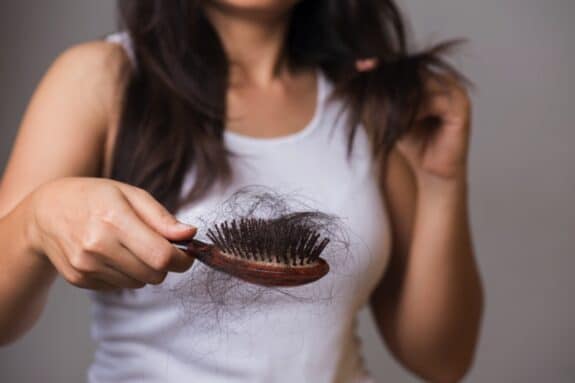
94, 60
66, 121
95, 68
86, 82
102, 66
86, 77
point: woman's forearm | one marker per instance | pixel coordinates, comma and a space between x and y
440, 307
25, 276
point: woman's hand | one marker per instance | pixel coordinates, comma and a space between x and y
102, 234
437, 146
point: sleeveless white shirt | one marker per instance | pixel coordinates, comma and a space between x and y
174, 333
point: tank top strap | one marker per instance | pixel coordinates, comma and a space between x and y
122, 38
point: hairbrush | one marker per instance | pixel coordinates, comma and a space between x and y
268, 252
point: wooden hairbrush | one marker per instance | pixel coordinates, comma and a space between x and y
268, 252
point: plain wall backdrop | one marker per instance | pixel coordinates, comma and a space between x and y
520, 55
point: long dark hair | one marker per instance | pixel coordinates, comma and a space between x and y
173, 112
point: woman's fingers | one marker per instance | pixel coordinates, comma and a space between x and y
365, 65
114, 255
103, 234
88, 268
134, 267
147, 245
86, 271
110, 276
156, 215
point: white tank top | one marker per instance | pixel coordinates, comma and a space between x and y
174, 333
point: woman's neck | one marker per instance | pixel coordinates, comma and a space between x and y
253, 41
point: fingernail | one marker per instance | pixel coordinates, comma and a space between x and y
364, 65
185, 226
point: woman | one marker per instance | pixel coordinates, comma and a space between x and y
126, 137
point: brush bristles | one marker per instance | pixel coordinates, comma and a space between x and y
265, 240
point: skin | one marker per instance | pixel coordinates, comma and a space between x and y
60, 215
57, 218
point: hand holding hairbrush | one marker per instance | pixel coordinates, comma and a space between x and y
262, 251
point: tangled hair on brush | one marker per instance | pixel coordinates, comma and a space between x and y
174, 114
207, 295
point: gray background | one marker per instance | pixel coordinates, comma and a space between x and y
522, 180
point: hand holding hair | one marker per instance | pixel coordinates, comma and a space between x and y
438, 142
437, 145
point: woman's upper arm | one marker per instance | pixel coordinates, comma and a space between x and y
64, 130
399, 190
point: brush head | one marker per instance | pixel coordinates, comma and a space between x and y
276, 252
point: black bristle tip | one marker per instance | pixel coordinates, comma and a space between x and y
264, 240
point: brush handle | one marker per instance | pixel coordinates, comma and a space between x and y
191, 246
264, 274
182, 245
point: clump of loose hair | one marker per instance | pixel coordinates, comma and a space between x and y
207, 295
288, 240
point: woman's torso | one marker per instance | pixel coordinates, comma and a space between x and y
196, 327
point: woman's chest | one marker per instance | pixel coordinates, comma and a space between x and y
309, 177
304, 177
